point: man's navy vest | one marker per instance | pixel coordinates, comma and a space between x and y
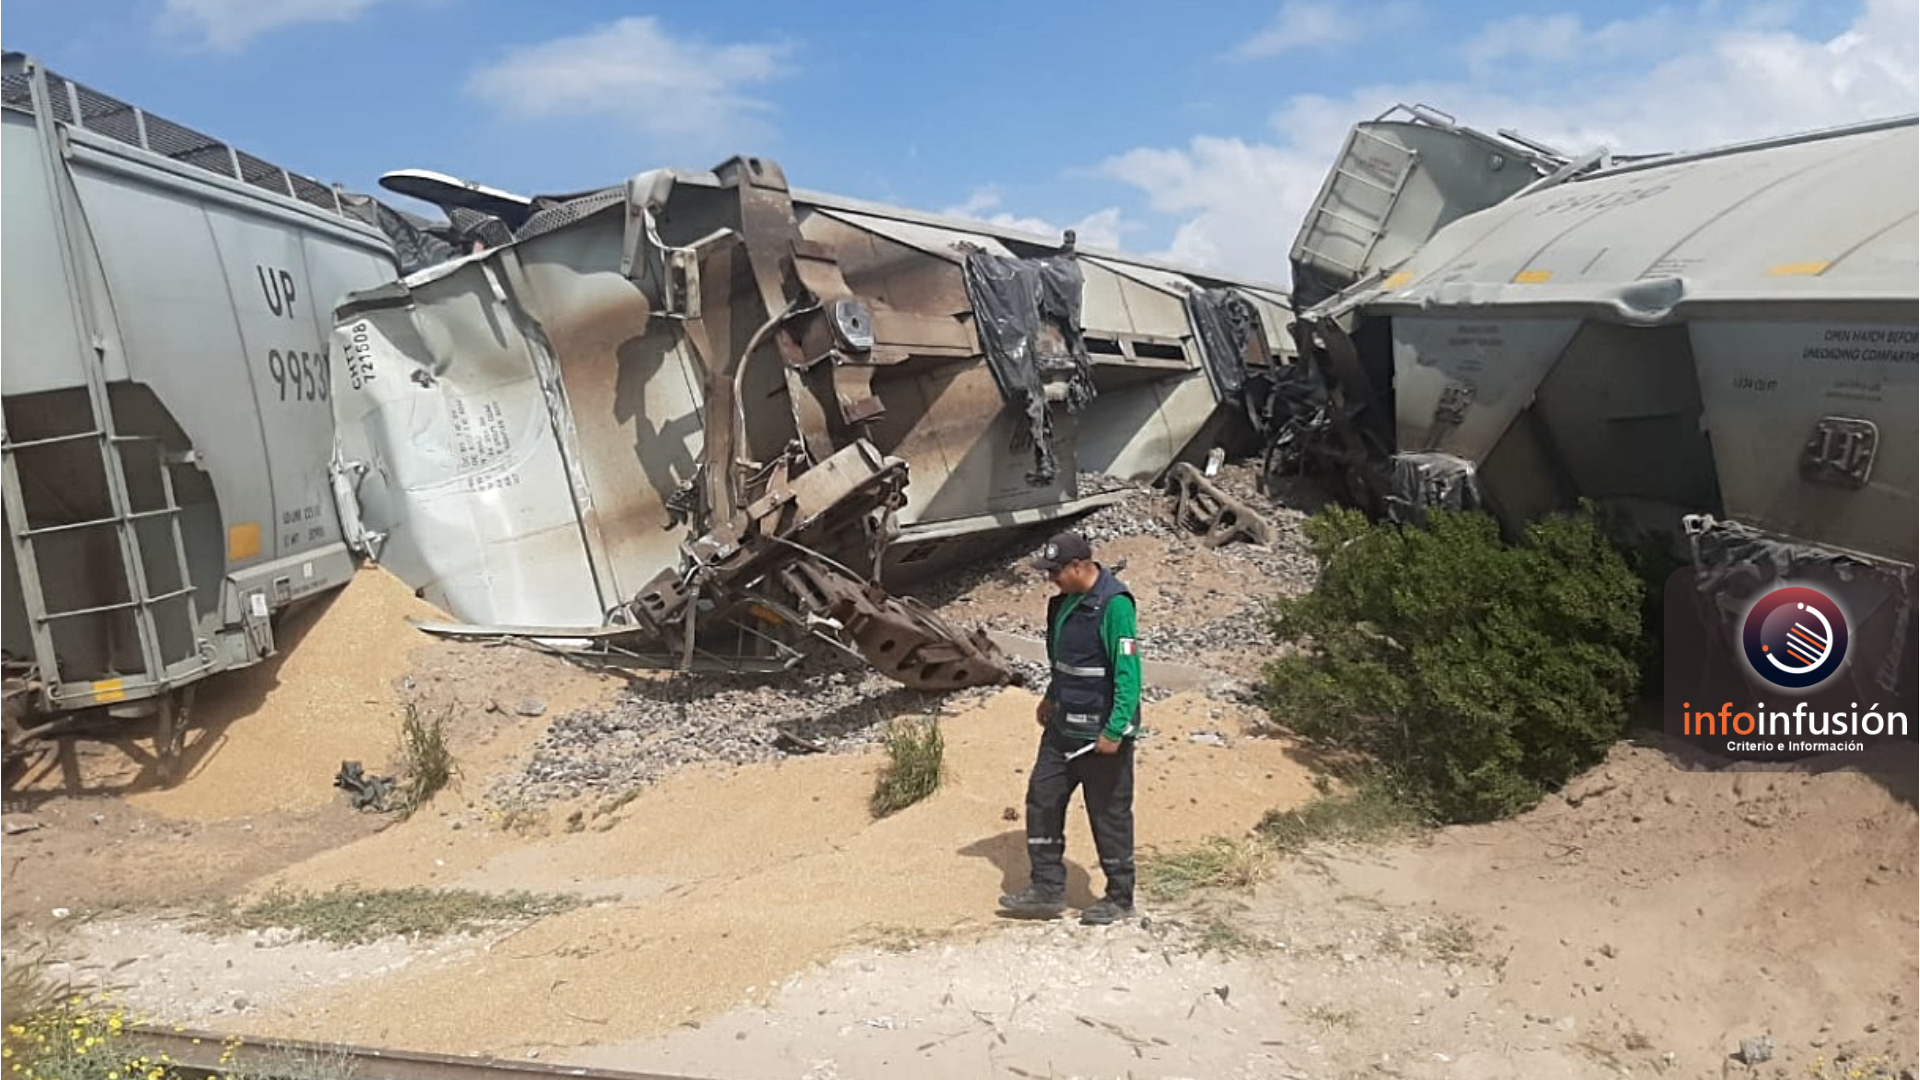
1082, 686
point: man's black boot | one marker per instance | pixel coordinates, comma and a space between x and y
1032, 903
1106, 911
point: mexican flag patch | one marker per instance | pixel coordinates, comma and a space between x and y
1129, 647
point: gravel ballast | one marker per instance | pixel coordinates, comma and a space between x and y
833, 704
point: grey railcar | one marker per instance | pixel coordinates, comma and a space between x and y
1723, 346
168, 420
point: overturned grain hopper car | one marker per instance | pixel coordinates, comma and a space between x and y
707, 417
1721, 345
167, 403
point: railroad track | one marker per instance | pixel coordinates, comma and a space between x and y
199, 1054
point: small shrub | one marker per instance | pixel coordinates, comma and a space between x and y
916, 765
426, 758
1478, 673
1329, 1017
1454, 939
349, 916
75, 1036
1873, 1067
285, 1062
27, 989
1220, 933
1373, 807
1217, 862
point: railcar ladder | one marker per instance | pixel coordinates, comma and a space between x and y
168, 651
1368, 229
30, 535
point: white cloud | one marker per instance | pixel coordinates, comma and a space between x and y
1232, 195
1239, 203
1539, 37
1101, 229
228, 25
1302, 24
637, 72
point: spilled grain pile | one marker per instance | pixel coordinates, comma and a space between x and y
271, 737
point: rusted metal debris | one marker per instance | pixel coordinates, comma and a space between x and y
853, 493
1201, 505
680, 416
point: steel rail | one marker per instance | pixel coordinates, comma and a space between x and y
214, 1054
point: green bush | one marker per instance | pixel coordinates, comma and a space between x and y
428, 759
916, 765
1480, 674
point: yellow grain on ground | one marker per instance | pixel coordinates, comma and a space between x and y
729, 881
271, 737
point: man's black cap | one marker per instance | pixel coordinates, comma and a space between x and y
1061, 550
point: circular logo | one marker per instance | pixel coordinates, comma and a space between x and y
1795, 637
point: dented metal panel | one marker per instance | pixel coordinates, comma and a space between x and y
1396, 183
702, 405
1827, 219
1731, 332
1813, 426
455, 471
1133, 432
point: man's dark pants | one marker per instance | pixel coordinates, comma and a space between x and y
1106, 782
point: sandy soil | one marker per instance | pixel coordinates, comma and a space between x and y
1646, 931
756, 921
724, 883
96, 832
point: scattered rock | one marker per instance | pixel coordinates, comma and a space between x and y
14, 826
1577, 795
831, 704
662, 724
1755, 1050
532, 706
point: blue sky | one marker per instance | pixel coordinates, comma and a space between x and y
1198, 132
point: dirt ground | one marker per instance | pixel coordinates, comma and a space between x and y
96, 832
755, 920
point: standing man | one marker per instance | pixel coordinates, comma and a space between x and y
1088, 719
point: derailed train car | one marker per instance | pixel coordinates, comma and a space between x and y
710, 416
167, 422
1720, 344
